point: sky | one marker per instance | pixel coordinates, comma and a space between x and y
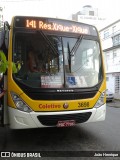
108, 9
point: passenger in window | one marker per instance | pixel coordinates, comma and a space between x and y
35, 61
32, 66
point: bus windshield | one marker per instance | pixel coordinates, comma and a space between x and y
55, 61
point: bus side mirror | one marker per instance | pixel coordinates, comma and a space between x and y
6, 35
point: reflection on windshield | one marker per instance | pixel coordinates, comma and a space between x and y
85, 65
57, 62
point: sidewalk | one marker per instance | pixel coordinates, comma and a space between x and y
115, 103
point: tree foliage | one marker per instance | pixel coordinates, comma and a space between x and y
4, 64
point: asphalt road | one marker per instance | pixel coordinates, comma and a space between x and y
100, 136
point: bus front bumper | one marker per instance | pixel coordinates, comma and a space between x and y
22, 120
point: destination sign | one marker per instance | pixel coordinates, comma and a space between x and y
36, 24
53, 24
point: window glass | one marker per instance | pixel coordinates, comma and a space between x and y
49, 61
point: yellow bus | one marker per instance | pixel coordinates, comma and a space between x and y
61, 81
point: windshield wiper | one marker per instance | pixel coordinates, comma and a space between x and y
73, 50
48, 42
69, 57
77, 44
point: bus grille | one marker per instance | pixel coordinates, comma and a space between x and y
60, 96
52, 120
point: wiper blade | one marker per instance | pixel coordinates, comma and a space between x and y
74, 49
69, 58
77, 44
48, 42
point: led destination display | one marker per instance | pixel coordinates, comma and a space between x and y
52, 24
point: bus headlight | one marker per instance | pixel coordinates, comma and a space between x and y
20, 104
101, 100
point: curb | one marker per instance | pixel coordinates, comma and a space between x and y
115, 103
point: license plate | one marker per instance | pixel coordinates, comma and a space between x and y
67, 123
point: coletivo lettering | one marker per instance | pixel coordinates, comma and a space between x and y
49, 106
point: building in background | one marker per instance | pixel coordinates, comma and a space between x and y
1, 16
89, 15
110, 36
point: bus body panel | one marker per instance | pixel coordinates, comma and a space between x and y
22, 120
54, 105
